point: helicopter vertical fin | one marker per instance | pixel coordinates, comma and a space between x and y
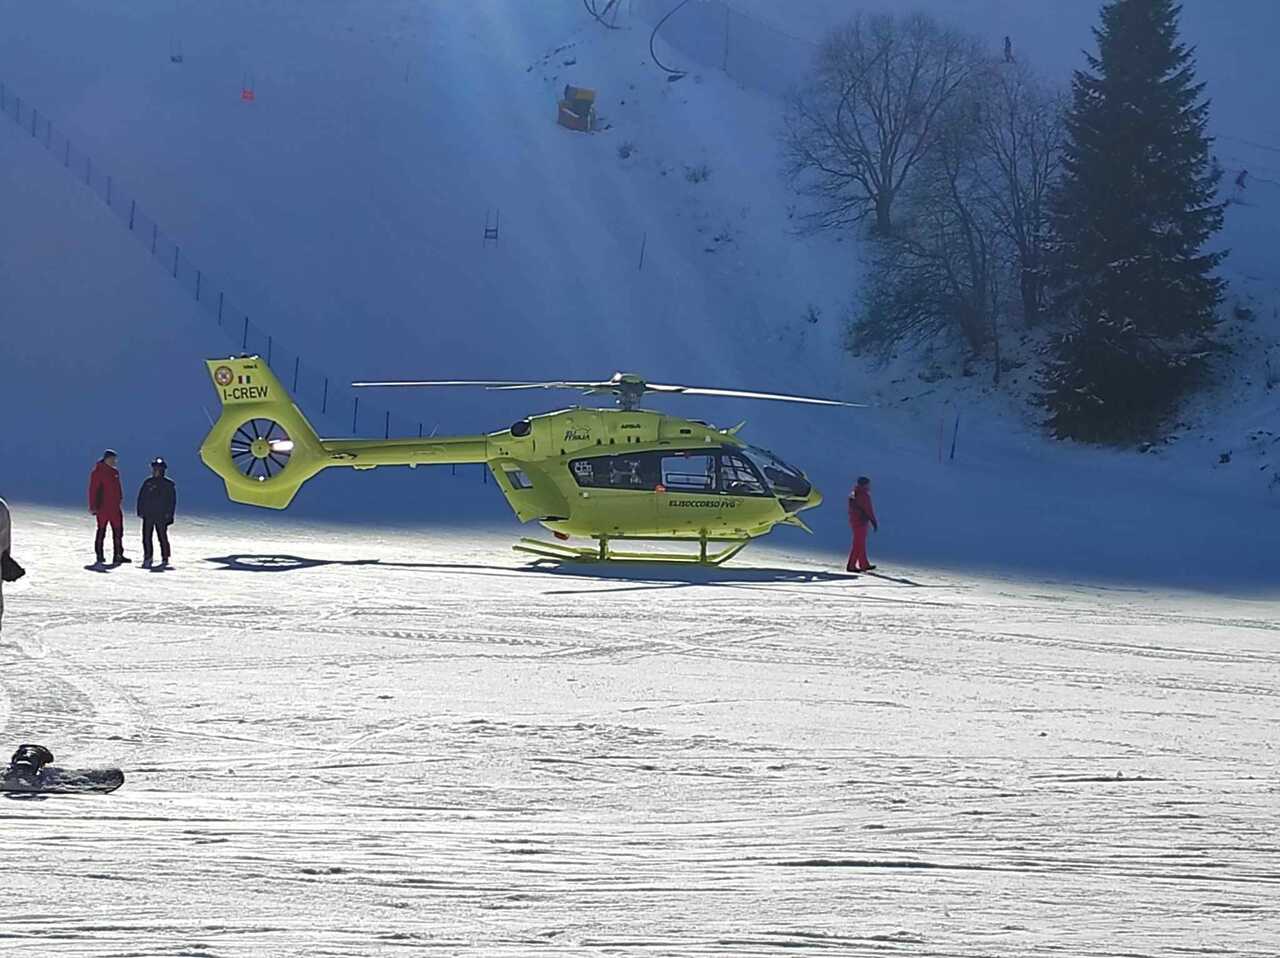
261, 445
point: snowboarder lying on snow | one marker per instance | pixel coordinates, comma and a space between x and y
861, 514
157, 500
105, 497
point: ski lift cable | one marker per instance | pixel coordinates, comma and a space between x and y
654, 34
599, 15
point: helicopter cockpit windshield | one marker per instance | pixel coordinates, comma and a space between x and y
785, 481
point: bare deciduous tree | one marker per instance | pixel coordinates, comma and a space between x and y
944, 270
855, 136
1020, 136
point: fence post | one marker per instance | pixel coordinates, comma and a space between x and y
221, 294
133, 208
419, 430
198, 275
297, 361
355, 414
244, 342
176, 251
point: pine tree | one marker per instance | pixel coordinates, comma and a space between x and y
1135, 207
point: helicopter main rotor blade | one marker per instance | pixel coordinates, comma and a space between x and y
561, 385
484, 383
746, 394
436, 382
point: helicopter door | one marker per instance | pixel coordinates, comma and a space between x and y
617, 491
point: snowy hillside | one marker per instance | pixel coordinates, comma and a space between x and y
343, 208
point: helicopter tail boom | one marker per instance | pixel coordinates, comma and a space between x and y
264, 448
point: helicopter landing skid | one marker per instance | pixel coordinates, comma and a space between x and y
554, 550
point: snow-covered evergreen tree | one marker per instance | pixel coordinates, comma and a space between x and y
1132, 214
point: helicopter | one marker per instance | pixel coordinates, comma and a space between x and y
608, 474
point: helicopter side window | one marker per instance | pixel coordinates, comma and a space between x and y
738, 478
636, 471
689, 472
786, 480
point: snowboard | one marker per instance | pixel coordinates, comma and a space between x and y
52, 780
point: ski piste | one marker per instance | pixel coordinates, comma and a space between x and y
52, 780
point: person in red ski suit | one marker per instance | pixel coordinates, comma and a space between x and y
105, 497
861, 514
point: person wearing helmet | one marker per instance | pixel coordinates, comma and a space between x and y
157, 500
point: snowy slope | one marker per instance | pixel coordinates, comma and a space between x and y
338, 743
344, 208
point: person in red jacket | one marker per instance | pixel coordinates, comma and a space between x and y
861, 514
105, 497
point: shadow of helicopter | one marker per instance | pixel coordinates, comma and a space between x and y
636, 574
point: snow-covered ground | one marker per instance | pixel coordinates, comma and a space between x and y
365, 726
353, 743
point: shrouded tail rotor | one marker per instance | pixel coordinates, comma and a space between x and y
261, 449
262, 446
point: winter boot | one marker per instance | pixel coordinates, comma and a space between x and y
121, 560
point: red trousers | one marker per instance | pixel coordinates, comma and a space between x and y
114, 519
858, 554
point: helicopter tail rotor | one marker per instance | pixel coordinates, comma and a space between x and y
262, 446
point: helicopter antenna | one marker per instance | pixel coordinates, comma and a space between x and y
627, 388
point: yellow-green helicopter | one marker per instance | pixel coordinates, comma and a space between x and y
605, 474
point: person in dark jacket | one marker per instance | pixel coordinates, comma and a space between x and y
105, 499
157, 500
861, 514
